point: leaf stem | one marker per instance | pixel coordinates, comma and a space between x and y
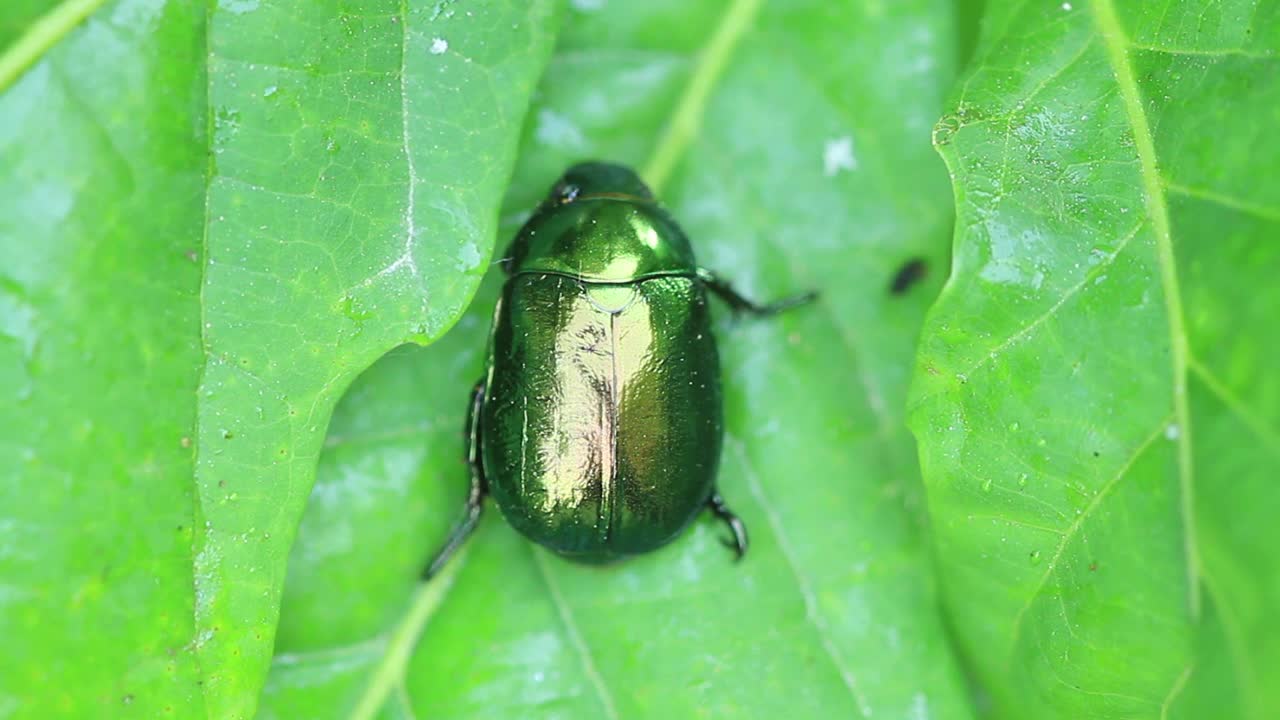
43, 34
389, 672
687, 118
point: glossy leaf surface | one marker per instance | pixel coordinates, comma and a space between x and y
1096, 397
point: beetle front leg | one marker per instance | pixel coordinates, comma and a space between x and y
479, 488
718, 508
738, 303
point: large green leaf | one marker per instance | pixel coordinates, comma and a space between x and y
99, 357
358, 156
335, 171
1096, 397
791, 140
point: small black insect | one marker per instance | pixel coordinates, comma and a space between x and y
911, 272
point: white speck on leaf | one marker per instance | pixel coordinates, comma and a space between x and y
1173, 431
557, 130
1066, 6
468, 257
239, 7
587, 5
438, 46
838, 155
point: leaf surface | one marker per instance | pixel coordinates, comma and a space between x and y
358, 157
790, 140
99, 360
1095, 396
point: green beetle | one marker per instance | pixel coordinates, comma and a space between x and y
597, 427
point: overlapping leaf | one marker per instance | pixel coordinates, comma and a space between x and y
357, 160
1096, 401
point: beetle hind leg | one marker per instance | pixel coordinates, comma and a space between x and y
475, 497
739, 303
718, 508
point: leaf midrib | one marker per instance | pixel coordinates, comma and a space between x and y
43, 34
686, 119
388, 674
1117, 44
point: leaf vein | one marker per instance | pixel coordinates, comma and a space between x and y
390, 670
1216, 53
1244, 206
687, 117
1269, 436
575, 637
43, 34
1103, 493
1175, 690
1071, 292
805, 588
200, 536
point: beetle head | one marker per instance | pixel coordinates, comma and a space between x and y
598, 179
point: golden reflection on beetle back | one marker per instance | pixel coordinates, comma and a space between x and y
579, 412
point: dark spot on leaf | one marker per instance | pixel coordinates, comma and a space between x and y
1096, 453
127, 699
1093, 566
911, 272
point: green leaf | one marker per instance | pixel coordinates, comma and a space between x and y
336, 174
99, 359
790, 140
358, 158
1095, 398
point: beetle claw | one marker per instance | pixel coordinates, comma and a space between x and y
739, 551
738, 543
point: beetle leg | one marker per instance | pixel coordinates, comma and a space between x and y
738, 303
718, 508
479, 488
